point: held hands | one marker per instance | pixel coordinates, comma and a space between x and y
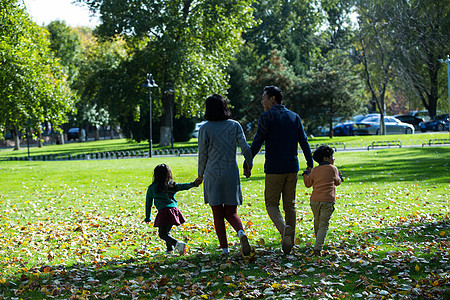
198, 181
247, 172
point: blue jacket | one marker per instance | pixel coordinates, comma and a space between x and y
281, 130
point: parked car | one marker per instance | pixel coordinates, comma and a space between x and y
73, 134
197, 128
410, 119
438, 123
371, 125
346, 128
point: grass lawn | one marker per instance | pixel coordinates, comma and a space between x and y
75, 228
75, 148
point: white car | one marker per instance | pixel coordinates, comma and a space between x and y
197, 128
371, 125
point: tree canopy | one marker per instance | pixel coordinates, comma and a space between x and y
34, 88
185, 44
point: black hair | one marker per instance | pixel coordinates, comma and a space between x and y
321, 152
272, 90
217, 108
162, 176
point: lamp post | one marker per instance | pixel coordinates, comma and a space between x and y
150, 83
170, 92
28, 138
447, 61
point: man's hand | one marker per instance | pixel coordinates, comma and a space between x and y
247, 172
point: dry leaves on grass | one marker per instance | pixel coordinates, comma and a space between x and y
358, 266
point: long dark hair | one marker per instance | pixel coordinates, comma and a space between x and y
163, 177
217, 108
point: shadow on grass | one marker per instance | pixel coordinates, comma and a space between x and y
409, 259
416, 164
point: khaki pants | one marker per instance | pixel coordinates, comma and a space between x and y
277, 185
322, 212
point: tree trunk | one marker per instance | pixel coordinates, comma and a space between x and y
165, 132
96, 134
60, 139
111, 131
330, 134
16, 138
39, 139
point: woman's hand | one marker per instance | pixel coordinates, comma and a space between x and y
198, 180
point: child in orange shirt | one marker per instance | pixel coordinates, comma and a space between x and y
324, 178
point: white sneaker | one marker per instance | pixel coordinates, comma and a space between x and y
181, 248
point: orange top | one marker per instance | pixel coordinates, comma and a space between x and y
324, 179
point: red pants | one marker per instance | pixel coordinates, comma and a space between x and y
222, 213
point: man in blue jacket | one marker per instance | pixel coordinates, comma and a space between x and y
281, 130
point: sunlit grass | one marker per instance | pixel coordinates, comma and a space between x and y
91, 213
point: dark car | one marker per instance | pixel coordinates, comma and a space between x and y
438, 123
343, 129
410, 119
73, 134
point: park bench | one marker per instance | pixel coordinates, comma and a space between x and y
437, 142
385, 144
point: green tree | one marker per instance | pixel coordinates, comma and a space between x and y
34, 87
330, 90
425, 26
377, 48
183, 43
99, 82
65, 42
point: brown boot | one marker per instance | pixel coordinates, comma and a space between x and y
287, 240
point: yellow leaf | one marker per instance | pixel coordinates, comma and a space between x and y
2, 280
417, 268
442, 233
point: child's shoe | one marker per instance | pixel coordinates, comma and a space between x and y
287, 242
181, 248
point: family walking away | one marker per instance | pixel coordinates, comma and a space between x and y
281, 130
324, 178
162, 193
217, 164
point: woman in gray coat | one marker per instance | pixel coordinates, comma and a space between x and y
217, 165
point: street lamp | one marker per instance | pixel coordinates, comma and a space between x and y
170, 92
150, 83
448, 80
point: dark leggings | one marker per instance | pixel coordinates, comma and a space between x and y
164, 233
228, 212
